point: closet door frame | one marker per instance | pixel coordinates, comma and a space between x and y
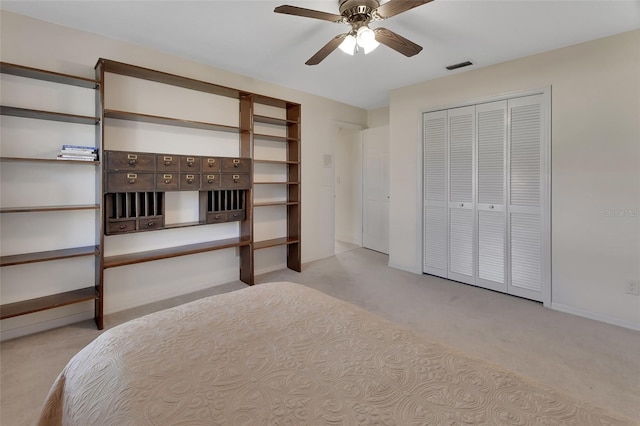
546, 227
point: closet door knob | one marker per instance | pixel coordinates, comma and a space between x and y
491, 206
461, 204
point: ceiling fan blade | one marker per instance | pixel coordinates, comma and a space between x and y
396, 42
394, 7
326, 50
308, 13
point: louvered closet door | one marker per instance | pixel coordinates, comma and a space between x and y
491, 142
435, 193
526, 197
461, 127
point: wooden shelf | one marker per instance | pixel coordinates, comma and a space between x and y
257, 245
276, 183
273, 120
266, 100
49, 208
55, 77
276, 203
273, 138
48, 115
167, 253
48, 160
43, 256
275, 162
48, 302
166, 78
167, 121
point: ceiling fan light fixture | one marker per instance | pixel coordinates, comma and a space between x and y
366, 39
348, 45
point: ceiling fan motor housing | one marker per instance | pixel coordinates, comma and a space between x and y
358, 12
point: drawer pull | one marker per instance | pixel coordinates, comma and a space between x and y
151, 224
123, 226
235, 215
167, 178
132, 158
216, 217
210, 181
132, 177
190, 161
236, 178
190, 178
211, 161
168, 161
236, 163
167, 181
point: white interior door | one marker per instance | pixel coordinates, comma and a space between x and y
526, 195
461, 126
490, 199
435, 138
376, 196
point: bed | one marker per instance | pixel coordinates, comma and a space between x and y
285, 354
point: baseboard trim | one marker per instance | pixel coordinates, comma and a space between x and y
44, 326
595, 316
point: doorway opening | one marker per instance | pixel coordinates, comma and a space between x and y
348, 189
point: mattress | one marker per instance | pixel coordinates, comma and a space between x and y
284, 354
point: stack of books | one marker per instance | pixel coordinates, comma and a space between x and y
78, 152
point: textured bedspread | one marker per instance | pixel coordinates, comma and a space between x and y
283, 354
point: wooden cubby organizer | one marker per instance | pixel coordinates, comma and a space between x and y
91, 290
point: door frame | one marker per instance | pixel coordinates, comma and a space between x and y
545, 181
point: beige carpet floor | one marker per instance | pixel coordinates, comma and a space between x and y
592, 361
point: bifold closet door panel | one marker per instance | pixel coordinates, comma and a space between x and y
462, 132
435, 225
525, 196
490, 198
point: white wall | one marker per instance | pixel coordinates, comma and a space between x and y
348, 186
595, 166
35, 43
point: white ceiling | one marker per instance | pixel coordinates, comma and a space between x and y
248, 38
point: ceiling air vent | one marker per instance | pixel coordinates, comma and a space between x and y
460, 65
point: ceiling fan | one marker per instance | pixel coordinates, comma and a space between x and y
359, 14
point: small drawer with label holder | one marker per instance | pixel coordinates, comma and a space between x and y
134, 161
236, 165
189, 182
235, 181
210, 181
167, 181
189, 164
167, 163
130, 182
210, 164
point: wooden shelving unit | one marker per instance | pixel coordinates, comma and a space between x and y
291, 144
51, 301
43, 256
31, 306
290, 139
170, 252
244, 241
47, 160
167, 121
